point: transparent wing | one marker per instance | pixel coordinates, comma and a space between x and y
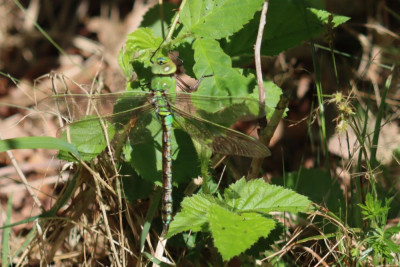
222, 110
89, 114
218, 138
76, 106
200, 116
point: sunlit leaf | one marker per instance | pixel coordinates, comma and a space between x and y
233, 233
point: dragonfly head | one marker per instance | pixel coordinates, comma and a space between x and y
163, 66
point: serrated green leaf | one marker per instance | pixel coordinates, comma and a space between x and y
146, 160
133, 185
272, 97
236, 223
318, 186
88, 136
193, 215
219, 18
289, 22
139, 47
142, 39
234, 233
186, 53
226, 81
124, 61
324, 15
257, 195
273, 94
152, 18
186, 161
146, 156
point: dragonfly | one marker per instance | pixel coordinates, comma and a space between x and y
201, 117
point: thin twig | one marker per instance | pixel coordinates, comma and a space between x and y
256, 163
257, 53
329, 252
312, 252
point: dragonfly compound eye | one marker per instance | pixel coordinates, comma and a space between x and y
161, 61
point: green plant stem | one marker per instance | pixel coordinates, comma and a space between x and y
175, 22
381, 109
357, 218
363, 147
155, 201
321, 106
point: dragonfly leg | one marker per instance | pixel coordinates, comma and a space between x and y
178, 61
187, 88
184, 86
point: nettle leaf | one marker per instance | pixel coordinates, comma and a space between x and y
317, 185
88, 136
145, 140
146, 152
257, 195
240, 219
142, 39
133, 185
272, 96
289, 22
146, 160
152, 18
193, 216
124, 61
217, 18
324, 15
234, 233
139, 47
186, 164
186, 54
226, 81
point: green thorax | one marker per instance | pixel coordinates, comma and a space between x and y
163, 69
163, 81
